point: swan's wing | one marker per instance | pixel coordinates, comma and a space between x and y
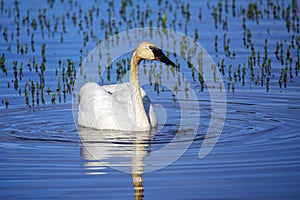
123, 106
105, 107
110, 88
110, 107
95, 107
122, 95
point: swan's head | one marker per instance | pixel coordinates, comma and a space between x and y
149, 51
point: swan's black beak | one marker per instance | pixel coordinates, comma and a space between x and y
160, 56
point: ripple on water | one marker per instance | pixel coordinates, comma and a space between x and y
257, 144
247, 124
45, 123
55, 123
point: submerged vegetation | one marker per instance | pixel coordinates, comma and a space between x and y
42, 49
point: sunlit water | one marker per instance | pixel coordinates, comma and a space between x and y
44, 154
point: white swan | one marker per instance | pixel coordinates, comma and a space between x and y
123, 106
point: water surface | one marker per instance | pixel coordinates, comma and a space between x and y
44, 155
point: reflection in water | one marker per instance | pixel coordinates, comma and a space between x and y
137, 168
123, 151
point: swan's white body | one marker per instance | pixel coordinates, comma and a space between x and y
122, 106
111, 107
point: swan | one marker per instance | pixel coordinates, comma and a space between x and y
124, 106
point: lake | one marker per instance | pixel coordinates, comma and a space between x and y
248, 55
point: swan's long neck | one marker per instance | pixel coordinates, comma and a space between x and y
141, 118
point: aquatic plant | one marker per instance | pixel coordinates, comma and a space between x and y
2, 64
29, 36
5, 34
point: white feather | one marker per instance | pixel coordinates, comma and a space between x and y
111, 107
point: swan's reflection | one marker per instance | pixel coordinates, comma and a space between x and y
123, 151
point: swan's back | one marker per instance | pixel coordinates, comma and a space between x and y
110, 107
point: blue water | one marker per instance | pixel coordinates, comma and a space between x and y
44, 155
257, 156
